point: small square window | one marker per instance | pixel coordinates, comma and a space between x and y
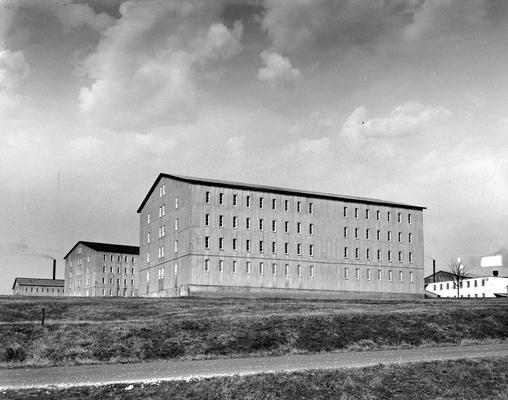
247, 201
207, 197
221, 198
311, 209
311, 271
286, 205
261, 202
235, 199
345, 212
274, 204
356, 212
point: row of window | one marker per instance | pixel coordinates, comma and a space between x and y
104, 270
261, 248
261, 202
110, 281
299, 270
261, 226
48, 290
461, 284
112, 257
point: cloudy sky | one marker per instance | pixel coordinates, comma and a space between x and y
404, 100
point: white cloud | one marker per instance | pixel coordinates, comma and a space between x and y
13, 68
407, 119
74, 15
278, 70
303, 27
147, 67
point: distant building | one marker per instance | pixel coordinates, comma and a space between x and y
487, 276
490, 286
101, 269
216, 238
38, 287
439, 276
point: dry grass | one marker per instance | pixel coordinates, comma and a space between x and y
83, 330
463, 379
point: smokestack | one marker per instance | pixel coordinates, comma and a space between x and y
54, 269
433, 271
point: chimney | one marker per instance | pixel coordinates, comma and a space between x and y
433, 271
54, 269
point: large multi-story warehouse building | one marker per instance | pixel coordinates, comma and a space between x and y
101, 269
208, 237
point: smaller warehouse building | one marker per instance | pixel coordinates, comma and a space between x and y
38, 287
101, 269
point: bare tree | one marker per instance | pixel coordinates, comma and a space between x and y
459, 273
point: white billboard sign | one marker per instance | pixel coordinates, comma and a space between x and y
492, 261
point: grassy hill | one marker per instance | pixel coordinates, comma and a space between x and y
106, 330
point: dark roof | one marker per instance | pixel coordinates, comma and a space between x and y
271, 189
440, 276
38, 282
108, 247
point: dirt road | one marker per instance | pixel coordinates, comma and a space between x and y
182, 370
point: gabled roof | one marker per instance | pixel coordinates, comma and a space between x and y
108, 248
38, 282
271, 189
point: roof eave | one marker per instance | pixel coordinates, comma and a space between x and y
246, 186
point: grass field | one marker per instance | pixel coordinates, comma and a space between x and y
106, 330
462, 379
